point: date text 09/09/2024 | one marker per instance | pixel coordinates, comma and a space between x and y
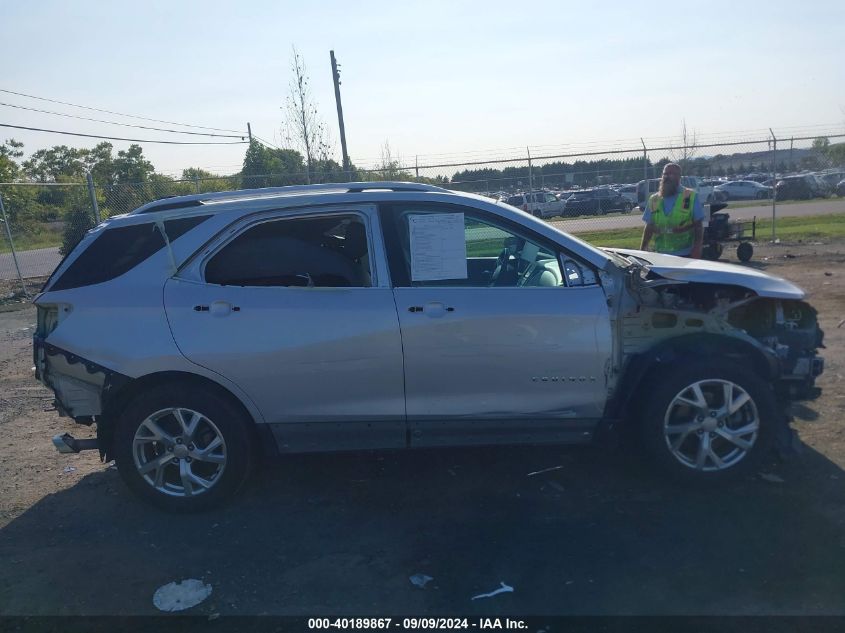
416, 623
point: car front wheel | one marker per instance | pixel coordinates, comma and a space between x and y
708, 421
183, 447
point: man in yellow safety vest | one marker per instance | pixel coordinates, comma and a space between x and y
674, 217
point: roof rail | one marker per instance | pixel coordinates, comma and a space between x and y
177, 202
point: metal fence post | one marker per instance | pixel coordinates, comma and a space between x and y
93, 195
774, 189
645, 161
12, 246
530, 176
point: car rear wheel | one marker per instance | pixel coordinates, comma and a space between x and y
709, 421
183, 448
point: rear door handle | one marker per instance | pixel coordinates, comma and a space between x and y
218, 308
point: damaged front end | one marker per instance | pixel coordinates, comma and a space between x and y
784, 331
683, 310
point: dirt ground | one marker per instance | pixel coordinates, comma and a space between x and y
342, 534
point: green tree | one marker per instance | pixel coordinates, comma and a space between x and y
129, 183
9, 151
22, 207
47, 165
821, 144
304, 127
78, 218
267, 167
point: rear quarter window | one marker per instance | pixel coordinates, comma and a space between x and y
118, 250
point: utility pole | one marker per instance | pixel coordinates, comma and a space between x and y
336, 79
249, 132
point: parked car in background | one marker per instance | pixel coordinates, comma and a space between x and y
825, 188
803, 187
833, 178
629, 191
707, 189
757, 177
596, 202
388, 315
541, 204
840, 188
745, 190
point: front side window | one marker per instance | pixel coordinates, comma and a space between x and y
455, 246
324, 251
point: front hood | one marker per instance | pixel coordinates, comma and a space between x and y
707, 272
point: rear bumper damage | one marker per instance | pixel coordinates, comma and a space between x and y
80, 386
82, 389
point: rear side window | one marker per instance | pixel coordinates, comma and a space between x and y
327, 251
118, 250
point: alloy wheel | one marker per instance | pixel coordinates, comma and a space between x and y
179, 452
711, 425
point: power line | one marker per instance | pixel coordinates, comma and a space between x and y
118, 138
267, 143
142, 127
131, 116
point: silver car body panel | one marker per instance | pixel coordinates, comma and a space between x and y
513, 357
683, 269
313, 356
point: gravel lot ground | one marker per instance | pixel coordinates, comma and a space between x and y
342, 534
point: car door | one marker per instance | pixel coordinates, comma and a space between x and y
505, 338
295, 308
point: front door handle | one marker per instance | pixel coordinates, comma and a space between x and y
432, 309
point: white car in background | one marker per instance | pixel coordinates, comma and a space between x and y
540, 204
745, 190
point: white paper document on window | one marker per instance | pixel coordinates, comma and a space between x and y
438, 246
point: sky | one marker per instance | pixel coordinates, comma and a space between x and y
439, 81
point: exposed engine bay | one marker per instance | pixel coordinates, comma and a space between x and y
786, 330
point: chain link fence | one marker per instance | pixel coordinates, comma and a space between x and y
587, 190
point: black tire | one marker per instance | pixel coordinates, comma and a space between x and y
712, 251
744, 251
220, 416
668, 383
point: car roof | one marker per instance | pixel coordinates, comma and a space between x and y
249, 201
241, 195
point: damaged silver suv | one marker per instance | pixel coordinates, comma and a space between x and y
197, 332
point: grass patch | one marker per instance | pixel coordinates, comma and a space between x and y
741, 204
815, 227
31, 241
